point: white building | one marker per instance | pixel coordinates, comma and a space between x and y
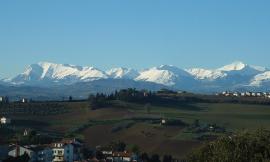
163, 122
1, 99
35, 153
26, 132
20, 150
5, 120
63, 152
248, 93
66, 151
24, 100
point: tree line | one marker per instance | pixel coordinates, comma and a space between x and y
129, 95
165, 98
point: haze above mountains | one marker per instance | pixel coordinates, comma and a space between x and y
235, 76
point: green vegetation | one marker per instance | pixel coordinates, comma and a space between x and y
242, 147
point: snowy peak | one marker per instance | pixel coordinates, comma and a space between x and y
202, 74
51, 72
62, 71
259, 79
234, 75
156, 75
165, 74
259, 68
173, 69
122, 73
228, 71
238, 65
32, 72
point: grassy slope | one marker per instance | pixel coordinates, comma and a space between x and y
232, 116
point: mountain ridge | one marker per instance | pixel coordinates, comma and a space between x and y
236, 75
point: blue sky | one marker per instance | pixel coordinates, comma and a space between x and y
133, 33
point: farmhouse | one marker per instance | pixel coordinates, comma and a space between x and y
5, 120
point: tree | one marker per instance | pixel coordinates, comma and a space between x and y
155, 158
167, 158
93, 102
6, 99
97, 101
241, 147
196, 123
70, 98
87, 153
144, 157
147, 108
24, 158
99, 155
135, 149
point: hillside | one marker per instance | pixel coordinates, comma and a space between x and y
139, 123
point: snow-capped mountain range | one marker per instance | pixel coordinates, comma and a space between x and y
236, 75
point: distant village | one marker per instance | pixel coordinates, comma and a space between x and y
245, 94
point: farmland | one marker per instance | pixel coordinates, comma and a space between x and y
138, 123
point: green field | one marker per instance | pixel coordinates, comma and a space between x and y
232, 116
